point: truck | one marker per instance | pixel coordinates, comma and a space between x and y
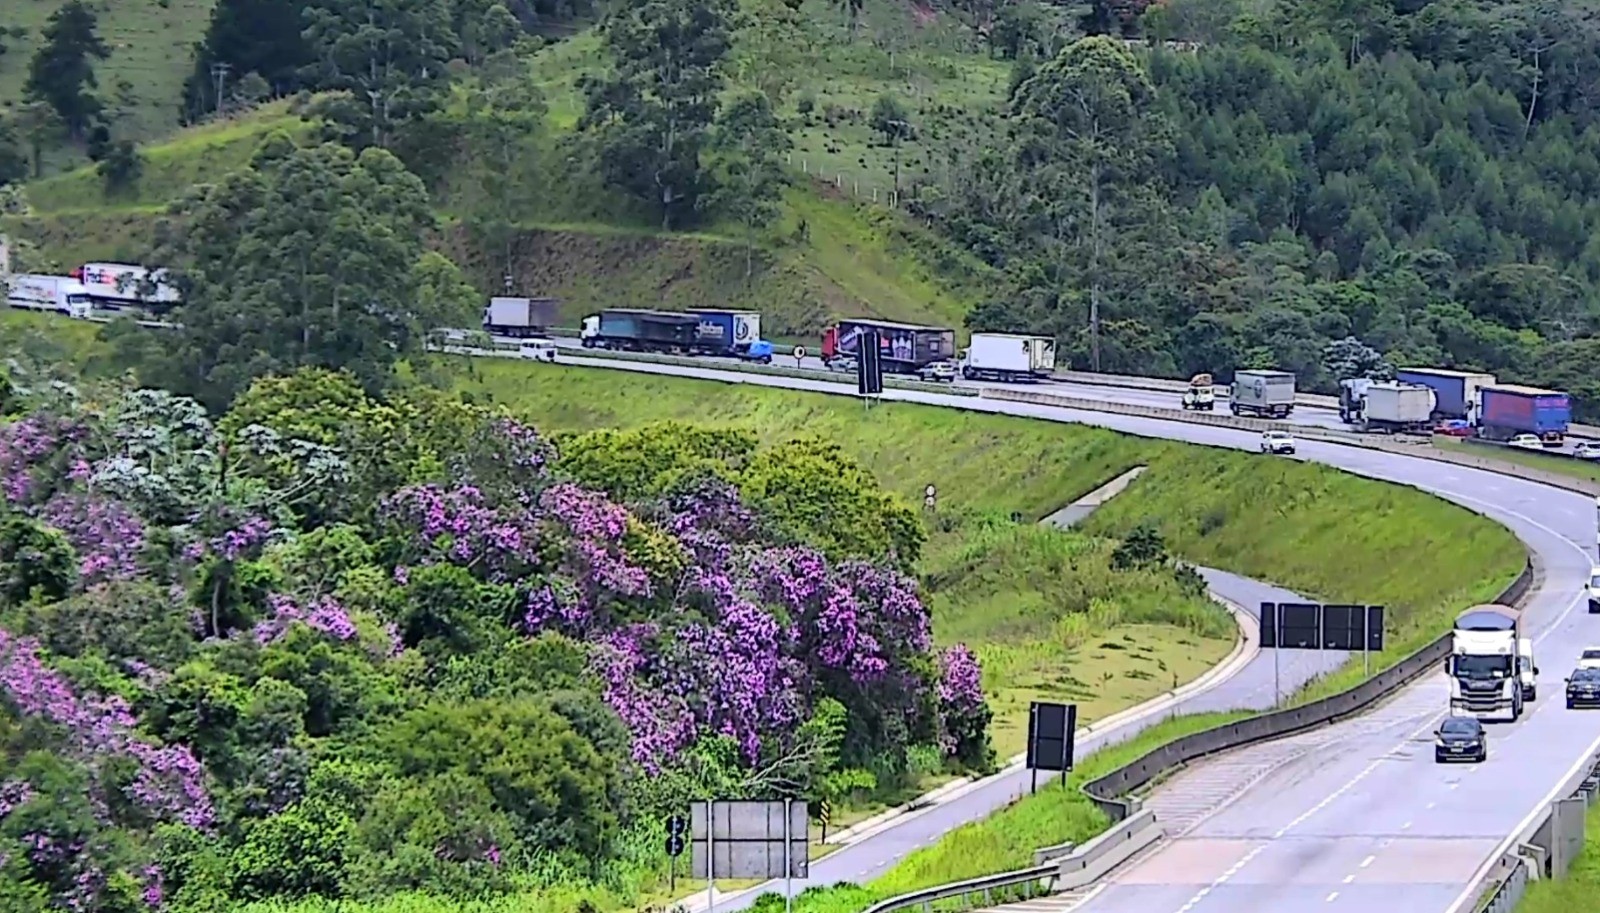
732, 334
118, 285
1457, 394
1391, 406
60, 294
1263, 393
1201, 395
1510, 410
520, 317
1009, 358
904, 347
635, 330
1491, 665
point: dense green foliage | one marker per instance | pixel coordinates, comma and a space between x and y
343, 647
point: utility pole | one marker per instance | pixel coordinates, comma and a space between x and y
219, 72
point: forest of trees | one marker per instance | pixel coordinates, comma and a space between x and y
1416, 181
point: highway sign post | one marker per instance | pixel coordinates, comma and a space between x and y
869, 365
1050, 738
758, 839
1313, 626
799, 356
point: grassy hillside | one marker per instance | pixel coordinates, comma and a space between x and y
1274, 520
151, 42
838, 249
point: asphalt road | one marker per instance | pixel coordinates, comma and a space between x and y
1294, 841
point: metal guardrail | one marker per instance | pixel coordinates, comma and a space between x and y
1084, 865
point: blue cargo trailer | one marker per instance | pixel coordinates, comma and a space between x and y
1510, 410
1457, 394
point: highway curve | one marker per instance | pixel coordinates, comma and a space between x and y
1374, 823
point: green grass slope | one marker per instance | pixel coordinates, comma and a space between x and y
837, 250
1275, 520
141, 82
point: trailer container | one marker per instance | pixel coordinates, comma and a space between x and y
1263, 393
904, 347
1009, 357
640, 330
520, 317
1457, 394
1510, 410
120, 284
722, 332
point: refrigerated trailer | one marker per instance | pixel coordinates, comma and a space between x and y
1009, 357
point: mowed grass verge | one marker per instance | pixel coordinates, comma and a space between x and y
1580, 890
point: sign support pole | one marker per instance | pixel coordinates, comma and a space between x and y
788, 870
1366, 641
1277, 640
711, 858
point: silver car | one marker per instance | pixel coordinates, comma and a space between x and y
941, 371
1277, 442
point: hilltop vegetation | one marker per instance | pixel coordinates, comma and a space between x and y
1303, 185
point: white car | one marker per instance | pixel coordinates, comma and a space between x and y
1527, 442
1587, 450
538, 350
1277, 442
1590, 658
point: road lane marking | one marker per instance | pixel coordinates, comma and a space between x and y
1368, 861
1332, 896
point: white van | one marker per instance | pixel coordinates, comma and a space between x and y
1594, 591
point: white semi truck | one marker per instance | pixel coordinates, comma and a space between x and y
1491, 663
62, 294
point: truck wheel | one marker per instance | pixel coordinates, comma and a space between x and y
1531, 694
1235, 409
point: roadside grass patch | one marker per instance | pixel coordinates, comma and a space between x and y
1580, 890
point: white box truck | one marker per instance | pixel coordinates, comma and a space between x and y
1269, 394
1372, 405
520, 317
1009, 357
60, 294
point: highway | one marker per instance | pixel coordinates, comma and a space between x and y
1302, 838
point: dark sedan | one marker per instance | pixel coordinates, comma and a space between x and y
1460, 738
1583, 688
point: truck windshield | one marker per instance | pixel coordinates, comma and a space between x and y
1483, 666
1594, 582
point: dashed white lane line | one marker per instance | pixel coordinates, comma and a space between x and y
1349, 878
1332, 896
1368, 861
1328, 800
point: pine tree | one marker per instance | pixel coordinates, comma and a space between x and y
61, 73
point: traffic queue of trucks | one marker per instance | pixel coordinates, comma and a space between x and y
108, 286
1492, 410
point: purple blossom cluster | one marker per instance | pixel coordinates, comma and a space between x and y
322, 613
960, 678
107, 536
168, 783
13, 795
240, 540
29, 449
459, 526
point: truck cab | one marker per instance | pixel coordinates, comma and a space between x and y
1487, 659
1593, 591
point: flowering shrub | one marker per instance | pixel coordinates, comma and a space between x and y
684, 632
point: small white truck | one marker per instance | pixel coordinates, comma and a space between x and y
61, 294
1009, 358
1201, 395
